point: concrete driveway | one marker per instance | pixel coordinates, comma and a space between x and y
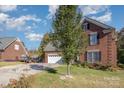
16, 71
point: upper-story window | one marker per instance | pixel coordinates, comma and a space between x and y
93, 38
85, 26
16, 47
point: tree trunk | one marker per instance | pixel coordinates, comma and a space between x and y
69, 69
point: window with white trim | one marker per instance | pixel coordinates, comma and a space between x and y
93, 57
93, 39
16, 47
85, 26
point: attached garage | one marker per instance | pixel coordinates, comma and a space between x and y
54, 58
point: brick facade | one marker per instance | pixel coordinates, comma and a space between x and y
11, 54
107, 46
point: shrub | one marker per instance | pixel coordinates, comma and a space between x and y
96, 66
84, 64
99, 66
121, 56
112, 69
77, 63
121, 65
23, 82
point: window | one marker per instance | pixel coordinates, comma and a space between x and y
16, 47
93, 56
85, 26
93, 39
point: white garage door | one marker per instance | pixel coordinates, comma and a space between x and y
54, 58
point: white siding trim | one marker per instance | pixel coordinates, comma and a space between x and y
93, 33
94, 50
53, 54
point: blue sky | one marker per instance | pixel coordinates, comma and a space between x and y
30, 23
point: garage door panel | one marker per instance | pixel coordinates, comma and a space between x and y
54, 58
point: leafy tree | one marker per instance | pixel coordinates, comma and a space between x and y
67, 33
45, 40
121, 39
33, 52
120, 46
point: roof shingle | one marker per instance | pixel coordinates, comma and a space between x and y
50, 47
6, 41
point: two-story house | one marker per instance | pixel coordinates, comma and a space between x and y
11, 49
102, 44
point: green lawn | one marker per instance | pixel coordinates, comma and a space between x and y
9, 63
82, 77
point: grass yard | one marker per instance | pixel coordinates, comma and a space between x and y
9, 63
82, 77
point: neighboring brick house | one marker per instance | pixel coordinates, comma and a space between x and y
102, 44
11, 49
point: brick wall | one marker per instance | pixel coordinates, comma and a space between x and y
11, 54
108, 49
102, 45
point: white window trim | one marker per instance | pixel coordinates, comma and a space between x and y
95, 50
93, 33
54, 54
85, 27
16, 47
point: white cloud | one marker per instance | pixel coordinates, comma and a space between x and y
101, 13
20, 23
15, 22
28, 28
92, 9
34, 36
44, 22
104, 18
3, 17
88, 10
6, 8
52, 11
53, 8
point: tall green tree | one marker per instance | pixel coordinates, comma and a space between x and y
68, 35
45, 40
120, 36
120, 46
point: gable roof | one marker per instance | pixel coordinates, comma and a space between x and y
98, 23
6, 41
50, 47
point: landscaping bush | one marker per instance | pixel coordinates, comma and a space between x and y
121, 65
84, 64
99, 66
112, 69
23, 82
105, 67
76, 63
121, 56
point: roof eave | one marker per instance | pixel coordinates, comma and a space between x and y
9, 44
107, 30
86, 18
